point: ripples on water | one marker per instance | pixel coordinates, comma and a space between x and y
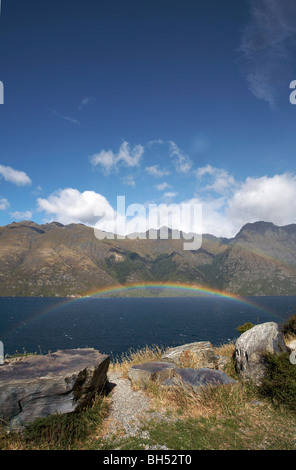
117, 325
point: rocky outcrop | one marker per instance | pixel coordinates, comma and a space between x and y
169, 375
196, 355
196, 364
251, 347
66, 381
197, 379
193, 365
61, 382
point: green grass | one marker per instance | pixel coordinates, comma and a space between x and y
222, 419
215, 433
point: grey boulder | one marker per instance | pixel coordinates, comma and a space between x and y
61, 382
251, 347
195, 355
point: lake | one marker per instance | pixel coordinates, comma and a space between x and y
118, 325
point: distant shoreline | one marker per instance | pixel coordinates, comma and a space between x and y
105, 296
131, 295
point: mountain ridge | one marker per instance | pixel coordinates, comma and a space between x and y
53, 259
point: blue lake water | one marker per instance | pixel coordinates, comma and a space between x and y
118, 325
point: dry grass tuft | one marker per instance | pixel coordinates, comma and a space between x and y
147, 354
225, 349
183, 403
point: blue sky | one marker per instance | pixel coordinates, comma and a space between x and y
160, 101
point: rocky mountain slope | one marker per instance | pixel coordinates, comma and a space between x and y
57, 260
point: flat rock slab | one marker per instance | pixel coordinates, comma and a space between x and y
36, 386
192, 355
199, 378
168, 375
151, 371
204, 376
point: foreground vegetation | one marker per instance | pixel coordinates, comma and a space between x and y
234, 417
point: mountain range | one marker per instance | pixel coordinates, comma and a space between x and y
68, 260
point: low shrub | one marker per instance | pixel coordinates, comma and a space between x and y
245, 327
279, 383
289, 328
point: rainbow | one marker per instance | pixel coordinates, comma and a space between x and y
190, 288
106, 291
195, 289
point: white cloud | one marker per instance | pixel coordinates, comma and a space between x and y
71, 206
155, 142
130, 157
170, 194
66, 118
269, 199
37, 191
182, 162
17, 215
221, 181
155, 171
268, 47
272, 199
20, 178
266, 198
106, 159
86, 101
129, 181
4, 204
162, 186
214, 220
109, 161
